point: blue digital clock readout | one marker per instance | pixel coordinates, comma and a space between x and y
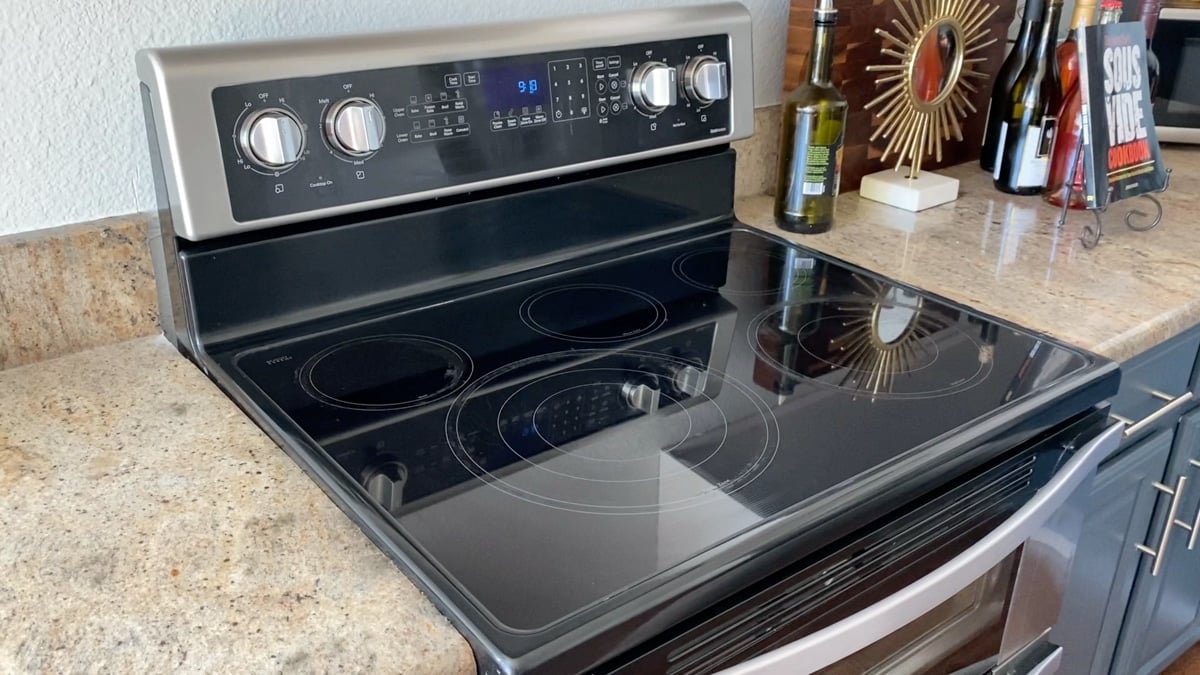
517, 86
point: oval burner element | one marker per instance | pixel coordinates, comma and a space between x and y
593, 313
708, 269
386, 372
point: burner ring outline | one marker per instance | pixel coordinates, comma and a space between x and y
527, 313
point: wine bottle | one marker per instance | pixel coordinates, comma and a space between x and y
1148, 12
1068, 51
1065, 158
814, 123
1028, 131
1031, 20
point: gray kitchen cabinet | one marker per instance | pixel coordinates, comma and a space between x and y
1106, 560
1163, 618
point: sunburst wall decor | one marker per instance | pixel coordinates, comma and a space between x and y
936, 45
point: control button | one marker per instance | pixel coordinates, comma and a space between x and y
355, 127
598, 63
539, 118
616, 108
653, 87
600, 87
460, 104
272, 138
613, 85
510, 123
525, 120
453, 80
471, 79
602, 109
462, 130
414, 110
614, 62
419, 135
497, 125
429, 108
706, 79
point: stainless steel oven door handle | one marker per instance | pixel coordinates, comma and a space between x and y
833, 643
1173, 403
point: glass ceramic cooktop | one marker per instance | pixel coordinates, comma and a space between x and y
552, 443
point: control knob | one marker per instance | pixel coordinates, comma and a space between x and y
689, 380
706, 79
653, 87
272, 138
355, 127
641, 395
385, 482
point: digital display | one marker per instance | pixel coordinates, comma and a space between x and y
516, 87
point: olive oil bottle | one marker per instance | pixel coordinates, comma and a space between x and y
810, 153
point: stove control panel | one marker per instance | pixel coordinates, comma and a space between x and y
298, 145
254, 135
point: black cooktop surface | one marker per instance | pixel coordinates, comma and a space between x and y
562, 442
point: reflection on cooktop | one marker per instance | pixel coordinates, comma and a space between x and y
879, 340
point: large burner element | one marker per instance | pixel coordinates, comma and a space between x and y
605, 433
387, 372
595, 313
708, 269
876, 341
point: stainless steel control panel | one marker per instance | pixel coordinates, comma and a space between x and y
255, 135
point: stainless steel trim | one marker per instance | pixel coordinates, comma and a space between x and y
1179, 14
1173, 404
1048, 665
848, 636
1177, 134
355, 126
1176, 495
181, 81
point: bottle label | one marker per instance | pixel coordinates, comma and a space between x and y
1034, 163
821, 167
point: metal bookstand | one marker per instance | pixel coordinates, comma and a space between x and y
1135, 218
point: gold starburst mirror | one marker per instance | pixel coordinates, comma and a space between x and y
936, 45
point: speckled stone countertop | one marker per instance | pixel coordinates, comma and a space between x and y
1004, 256
146, 525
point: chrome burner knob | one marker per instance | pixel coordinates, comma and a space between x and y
689, 380
706, 79
355, 127
272, 138
385, 483
641, 396
653, 87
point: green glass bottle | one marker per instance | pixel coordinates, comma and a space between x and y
1030, 118
810, 153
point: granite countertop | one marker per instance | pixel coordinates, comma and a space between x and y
149, 526
1004, 256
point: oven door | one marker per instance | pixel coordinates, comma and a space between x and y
1177, 101
985, 609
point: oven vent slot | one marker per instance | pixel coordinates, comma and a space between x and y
829, 583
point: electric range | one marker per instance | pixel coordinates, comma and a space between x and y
528, 349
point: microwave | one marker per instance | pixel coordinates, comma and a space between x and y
1177, 45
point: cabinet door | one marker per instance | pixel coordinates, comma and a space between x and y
1164, 613
1106, 560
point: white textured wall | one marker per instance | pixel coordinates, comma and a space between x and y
72, 139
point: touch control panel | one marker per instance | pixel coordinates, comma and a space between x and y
305, 144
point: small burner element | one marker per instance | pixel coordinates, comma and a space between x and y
707, 269
567, 434
386, 372
873, 343
596, 313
